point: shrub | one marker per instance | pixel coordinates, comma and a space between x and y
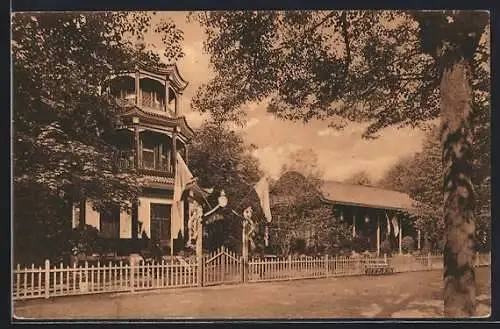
299, 246
85, 240
360, 244
407, 244
385, 247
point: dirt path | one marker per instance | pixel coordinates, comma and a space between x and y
414, 295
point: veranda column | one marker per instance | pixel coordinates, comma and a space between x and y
174, 166
353, 224
378, 235
135, 207
177, 110
137, 87
167, 95
400, 235
174, 150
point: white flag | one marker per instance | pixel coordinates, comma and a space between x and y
396, 226
182, 177
262, 189
388, 225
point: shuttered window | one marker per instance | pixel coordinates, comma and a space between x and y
110, 223
160, 222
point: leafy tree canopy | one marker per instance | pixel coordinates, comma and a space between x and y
359, 178
361, 65
305, 162
219, 158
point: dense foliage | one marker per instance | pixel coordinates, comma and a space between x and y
300, 215
421, 177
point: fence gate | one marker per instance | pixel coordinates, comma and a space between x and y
222, 267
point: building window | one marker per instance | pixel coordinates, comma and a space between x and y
148, 158
160, 222
165, 160
110, 223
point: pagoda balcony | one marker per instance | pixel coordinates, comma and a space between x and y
148, 168
147, 104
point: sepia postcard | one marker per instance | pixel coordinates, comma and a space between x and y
251, 165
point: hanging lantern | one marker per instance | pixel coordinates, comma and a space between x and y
367, 219
222, 199
247, 213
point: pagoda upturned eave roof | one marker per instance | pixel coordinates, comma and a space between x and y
153, 117
159, 73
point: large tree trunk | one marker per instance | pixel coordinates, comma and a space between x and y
459, 280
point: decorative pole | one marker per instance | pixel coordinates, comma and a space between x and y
199, 251
247, 215
244, 251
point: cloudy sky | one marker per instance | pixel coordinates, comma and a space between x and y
340, 153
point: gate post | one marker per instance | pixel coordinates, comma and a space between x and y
242, 270
199, 253
223, 265
245, 251
132, 274
326, 265
47, 278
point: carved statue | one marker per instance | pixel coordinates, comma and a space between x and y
195, 216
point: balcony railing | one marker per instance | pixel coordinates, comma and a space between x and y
125, 101
151, 103
147, 167
147, 103
151, 166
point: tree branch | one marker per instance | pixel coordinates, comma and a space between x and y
313, 28
345, 34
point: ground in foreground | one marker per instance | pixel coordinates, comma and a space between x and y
404, 295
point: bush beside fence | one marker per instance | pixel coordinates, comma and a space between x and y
52, 281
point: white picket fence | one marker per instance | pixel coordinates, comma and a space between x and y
53, 281
321, 267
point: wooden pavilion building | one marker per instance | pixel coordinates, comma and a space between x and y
154, 138
375, 213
